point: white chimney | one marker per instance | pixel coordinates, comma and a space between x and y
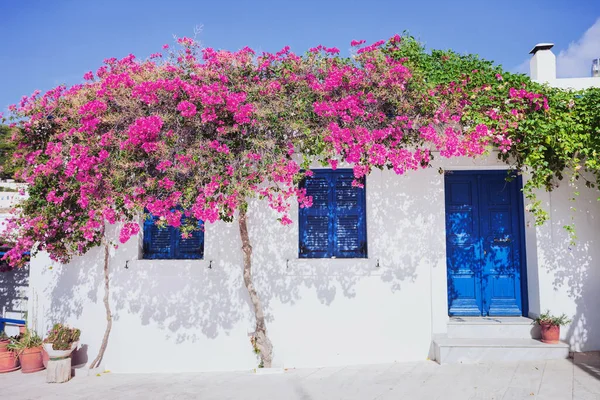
542, 66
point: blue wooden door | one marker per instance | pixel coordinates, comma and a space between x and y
484, 243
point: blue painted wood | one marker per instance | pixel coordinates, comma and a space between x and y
167, 243
484, 243
191, 247
349, 227
463, 252
502, 243
315, 221
335, 225
158, 242
10, 321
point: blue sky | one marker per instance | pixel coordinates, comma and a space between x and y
46, 43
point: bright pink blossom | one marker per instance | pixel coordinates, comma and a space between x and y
129, 229
187, 109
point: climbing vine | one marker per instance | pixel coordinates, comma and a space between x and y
563, 141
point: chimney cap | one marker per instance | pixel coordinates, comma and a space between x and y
541, 46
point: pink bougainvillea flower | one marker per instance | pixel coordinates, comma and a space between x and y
187, 109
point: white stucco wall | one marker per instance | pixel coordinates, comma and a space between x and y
185, 316
573, 83
568, 276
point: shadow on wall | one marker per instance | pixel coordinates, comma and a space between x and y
14, 284
403, 216
573, 268
72, 287
185, 298
188, 300
193, 300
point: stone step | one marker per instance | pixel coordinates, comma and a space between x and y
473, 351
493, 327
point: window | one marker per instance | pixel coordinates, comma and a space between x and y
167, 243
335, 225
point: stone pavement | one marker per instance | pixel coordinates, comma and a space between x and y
560, 380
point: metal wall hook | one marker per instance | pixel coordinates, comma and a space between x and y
287, 263
210, 264
127, 264
377, 265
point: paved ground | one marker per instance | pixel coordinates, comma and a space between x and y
560, 380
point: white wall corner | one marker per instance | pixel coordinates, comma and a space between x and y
542, 66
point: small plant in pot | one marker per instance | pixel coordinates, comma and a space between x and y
550, 326
4, 340
28, 347
8, 359
61, 341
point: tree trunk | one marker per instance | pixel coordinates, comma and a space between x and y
58, 371
261, 340
98, 359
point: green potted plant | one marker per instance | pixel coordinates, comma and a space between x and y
61, 341
550, 326
28, 347
8, 359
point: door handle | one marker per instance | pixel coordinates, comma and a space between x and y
505, 240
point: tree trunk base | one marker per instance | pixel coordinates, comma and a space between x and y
99, 357
58, 371
260, 339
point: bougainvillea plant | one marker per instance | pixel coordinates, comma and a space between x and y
190, 135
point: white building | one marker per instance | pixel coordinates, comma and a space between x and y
458, 243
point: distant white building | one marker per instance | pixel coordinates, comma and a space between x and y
447, 266
542, 68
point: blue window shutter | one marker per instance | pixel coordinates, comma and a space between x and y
158, 243
167, 243
315, 221
335, 225
349, 225
192, 247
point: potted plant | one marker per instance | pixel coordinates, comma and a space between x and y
8, 359
61, 341
9, 362
4, 340
550, 326
28, 347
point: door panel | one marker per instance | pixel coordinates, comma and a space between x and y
484, 244
463, 250
500, 235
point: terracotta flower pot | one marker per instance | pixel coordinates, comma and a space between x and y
550, 333
3, 344
31, 360
8, 362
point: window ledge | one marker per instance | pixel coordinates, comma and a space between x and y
333, 267
171, 267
